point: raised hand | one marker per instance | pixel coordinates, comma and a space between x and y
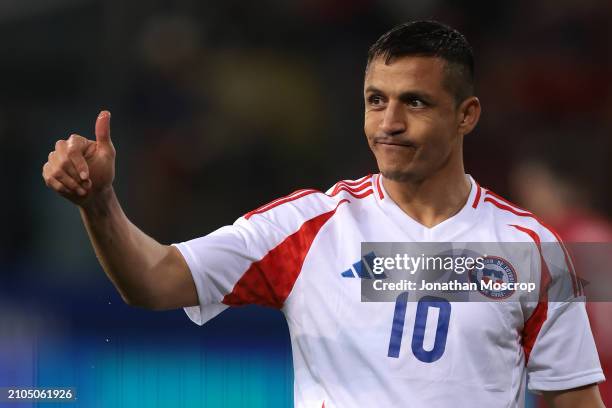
79, 169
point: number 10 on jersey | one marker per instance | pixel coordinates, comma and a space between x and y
420, 322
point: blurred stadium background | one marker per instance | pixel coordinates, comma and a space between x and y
221, 106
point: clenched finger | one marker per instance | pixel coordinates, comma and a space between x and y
61, 160
48, 175
77, 146
80, 165
57, 186
69, 182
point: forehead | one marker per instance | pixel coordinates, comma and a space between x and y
406, 73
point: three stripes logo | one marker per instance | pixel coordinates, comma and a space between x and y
363, 269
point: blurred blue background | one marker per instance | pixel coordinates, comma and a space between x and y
219, 107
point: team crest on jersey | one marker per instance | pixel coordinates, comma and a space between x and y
493, 278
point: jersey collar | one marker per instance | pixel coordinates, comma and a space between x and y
447, 230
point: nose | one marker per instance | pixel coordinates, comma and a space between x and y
393, 121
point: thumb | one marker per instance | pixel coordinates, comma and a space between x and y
103, 135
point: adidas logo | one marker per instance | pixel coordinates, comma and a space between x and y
363, 269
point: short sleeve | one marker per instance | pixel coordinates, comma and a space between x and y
257, 259
216, 262
562, 354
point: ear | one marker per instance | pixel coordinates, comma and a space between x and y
468, 114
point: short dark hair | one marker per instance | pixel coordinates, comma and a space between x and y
431, 39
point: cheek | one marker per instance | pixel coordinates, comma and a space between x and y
370, 125
439, 143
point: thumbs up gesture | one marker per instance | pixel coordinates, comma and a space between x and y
79, 168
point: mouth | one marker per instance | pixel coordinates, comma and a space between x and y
394, 143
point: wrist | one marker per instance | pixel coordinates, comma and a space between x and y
99, 203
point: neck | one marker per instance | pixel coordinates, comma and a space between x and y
432, 200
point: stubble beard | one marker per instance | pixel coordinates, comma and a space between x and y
400, 176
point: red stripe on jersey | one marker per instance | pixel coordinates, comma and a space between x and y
380, 192
533, 325
293, 196
570, 266
502, 199
269, 281
353, 189
508, 208
477, 198
355, 182
263, 207
353, 193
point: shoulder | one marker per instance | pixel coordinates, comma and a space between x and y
305, 204
524, 226
358, 189
505, 214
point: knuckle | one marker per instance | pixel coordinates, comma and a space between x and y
72, 148
75, 141
60, 144
72, 142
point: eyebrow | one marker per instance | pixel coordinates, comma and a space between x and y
404, 96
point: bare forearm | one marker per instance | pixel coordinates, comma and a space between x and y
129, 256
145, 272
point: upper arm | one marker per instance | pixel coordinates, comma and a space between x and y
581, 397
177, 288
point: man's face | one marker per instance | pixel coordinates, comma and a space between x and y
411, 120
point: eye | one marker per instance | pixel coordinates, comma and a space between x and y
416, 103
375, 100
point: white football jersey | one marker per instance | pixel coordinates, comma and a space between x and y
301, 254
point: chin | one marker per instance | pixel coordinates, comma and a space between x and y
400, 175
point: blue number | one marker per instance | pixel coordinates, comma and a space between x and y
397, 329
420, 321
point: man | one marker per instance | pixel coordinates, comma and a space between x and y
296, 252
